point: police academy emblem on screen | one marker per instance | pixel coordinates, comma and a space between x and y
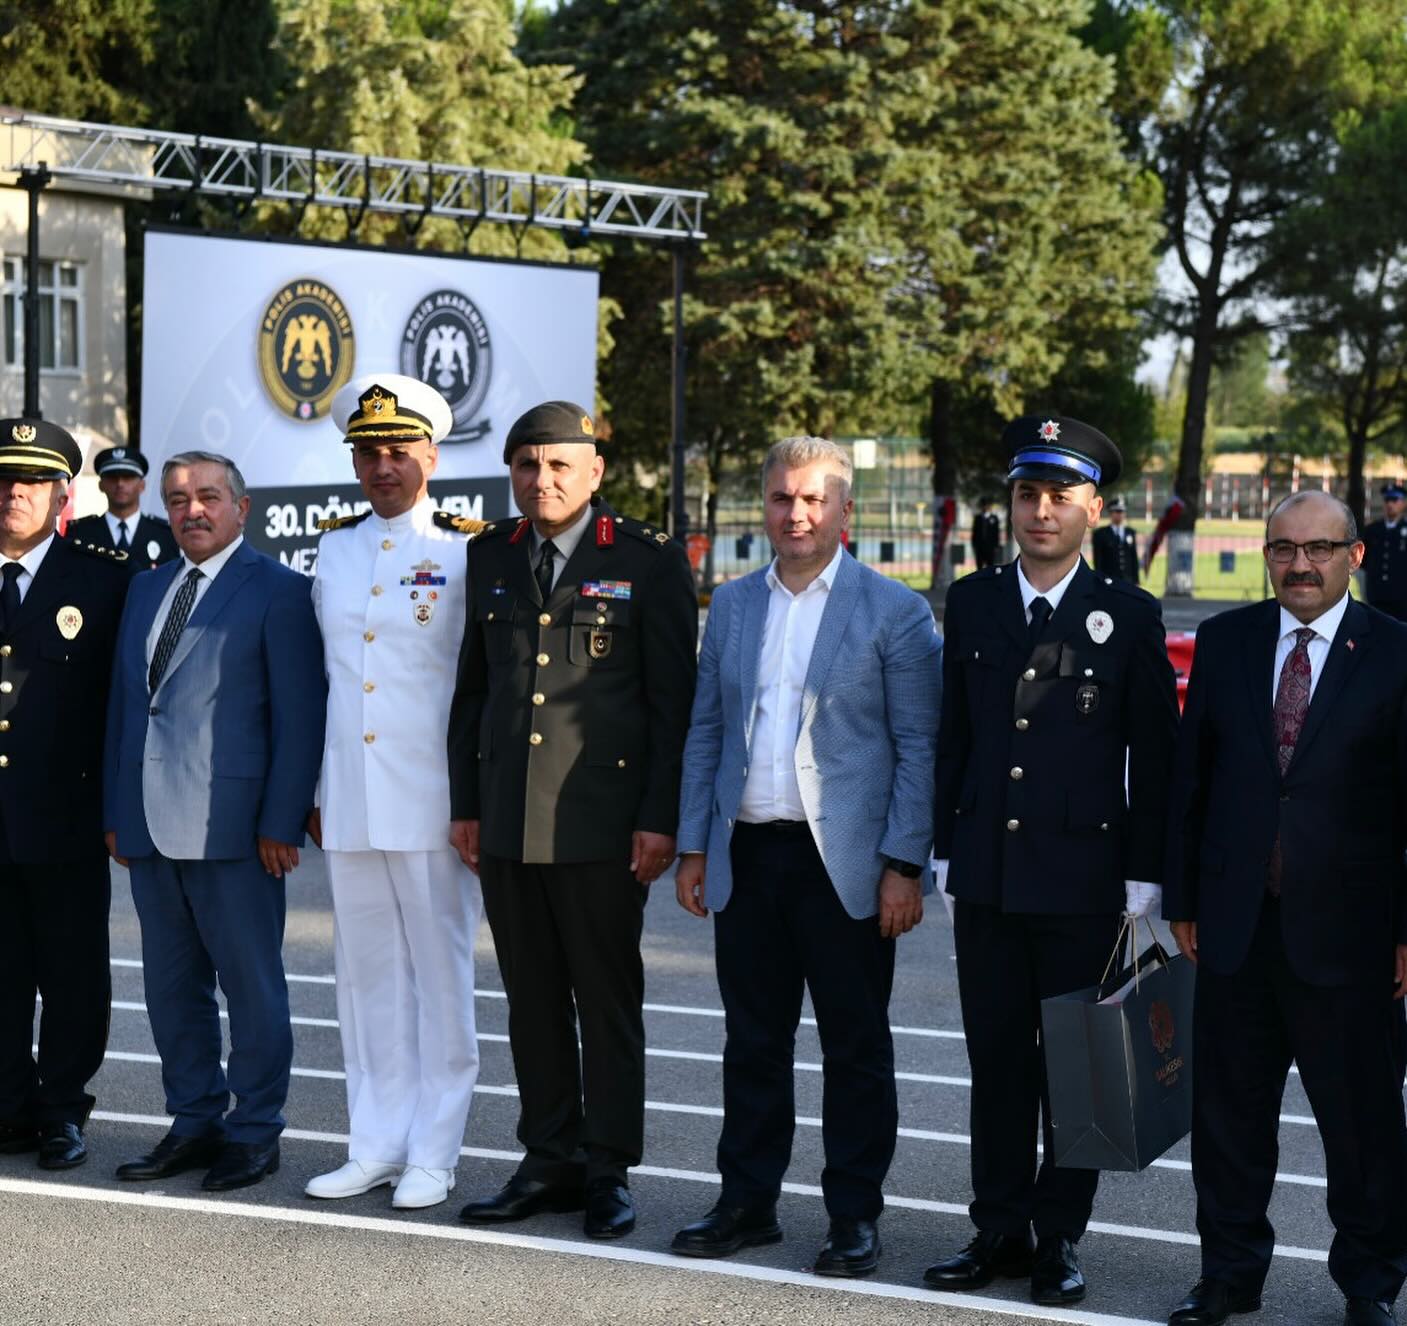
306, 352
446, 344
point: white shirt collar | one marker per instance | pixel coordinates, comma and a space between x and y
419, 518
567, 540
1326, 624
30, 560
115, 523
211, 566
1053, 595
825, 580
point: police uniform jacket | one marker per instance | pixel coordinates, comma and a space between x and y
1116, 552
55, 669
389, 597
1032, 812
1385, 562
567, 728
152, 533
986, 533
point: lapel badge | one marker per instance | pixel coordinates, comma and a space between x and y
1348, 644
1100, 626
70, 622
1086, 700
423, 612
600, 644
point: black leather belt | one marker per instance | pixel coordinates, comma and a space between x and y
790, 827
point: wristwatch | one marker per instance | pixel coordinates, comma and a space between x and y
905, 868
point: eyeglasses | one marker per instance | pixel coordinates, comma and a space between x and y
1317, 550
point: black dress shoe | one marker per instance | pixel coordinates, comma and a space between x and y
61, 1146
851, 1248
726, 1229
522, 1197
240, 1164
1368, 1312
175, 1153
1213, 1301
1055, 1273
610, 1212
17, 1136
989, 1255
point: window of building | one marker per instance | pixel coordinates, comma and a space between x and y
60, 315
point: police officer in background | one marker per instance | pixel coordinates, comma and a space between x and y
566, 737
1055, 682
147, 540
1116, 546
59, 607
389, 597
1385, 556
986, 534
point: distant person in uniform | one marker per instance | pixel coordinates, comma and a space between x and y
1054, 753
565, 740
59, 608
986, 534
1116, 545
147, 540
389, 595
1385, 555
817, 677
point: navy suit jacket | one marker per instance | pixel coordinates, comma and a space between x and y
1340, 809
229, 746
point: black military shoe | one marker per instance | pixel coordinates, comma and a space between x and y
61, 1146
610, 1212
727, 1229
1055, 1273
851, 1248
174, 1154
989, 1255
1213, 1301
241, 1164
1368, 1312
522, 1197
18, 1136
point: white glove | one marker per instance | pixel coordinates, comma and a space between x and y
940, 880
1141, 898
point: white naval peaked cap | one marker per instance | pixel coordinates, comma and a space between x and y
391, 407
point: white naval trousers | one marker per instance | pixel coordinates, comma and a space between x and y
404, 924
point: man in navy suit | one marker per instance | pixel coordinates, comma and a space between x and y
1285, 884
214, 738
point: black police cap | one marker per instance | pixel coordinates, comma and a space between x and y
548, 423
1394, 491
1053, 448
37, 450
121, 460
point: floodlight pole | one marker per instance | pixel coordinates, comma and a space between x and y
679, 512
33, 180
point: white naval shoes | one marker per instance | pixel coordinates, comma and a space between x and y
356, 1176
422, 1187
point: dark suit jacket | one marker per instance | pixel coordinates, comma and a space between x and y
54, 706
1116, 552
94, 529
614, 679
1340, 810
1031, 806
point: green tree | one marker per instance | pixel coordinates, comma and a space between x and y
1240, 393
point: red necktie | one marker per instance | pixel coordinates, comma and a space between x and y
1291, 706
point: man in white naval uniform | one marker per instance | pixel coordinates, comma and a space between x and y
389, 595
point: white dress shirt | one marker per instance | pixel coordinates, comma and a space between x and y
1324, 628
29, 565
1053, 595
117, 523
770, 791
565, 543
209, 569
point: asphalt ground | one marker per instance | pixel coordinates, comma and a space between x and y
80, 1247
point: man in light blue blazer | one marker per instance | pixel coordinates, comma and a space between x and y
214, 739
805, 825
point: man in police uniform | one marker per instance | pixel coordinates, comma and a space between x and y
986, 534
1116, 546
389, 596
147, 540
566, 738
59, 607
1055, 682
1385, 558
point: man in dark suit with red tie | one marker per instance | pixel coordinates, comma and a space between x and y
1285, 883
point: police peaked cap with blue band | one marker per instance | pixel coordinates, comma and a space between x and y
1052, 448
1394, 492
37, 451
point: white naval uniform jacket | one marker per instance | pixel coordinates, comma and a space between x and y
389, 596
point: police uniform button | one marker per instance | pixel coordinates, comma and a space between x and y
1022, 724
1104, 828
1108, 580
539, 698
368, 636
535, 739
376, 591
490, 617
1089, 672
387, 544
620, 764
544, 619
1017, 774
6, 651
369, 738
7, 686
1029, 675
368, 686
600, 621
543, 660
4, 724
4, 761
1013, 825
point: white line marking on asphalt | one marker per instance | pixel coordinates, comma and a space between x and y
242, 1210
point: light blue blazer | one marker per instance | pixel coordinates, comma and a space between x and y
865, 749
229, 746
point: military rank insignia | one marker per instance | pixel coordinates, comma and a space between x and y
605, 589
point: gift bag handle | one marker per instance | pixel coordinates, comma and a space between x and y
1128, 929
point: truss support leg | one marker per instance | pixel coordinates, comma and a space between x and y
679, 512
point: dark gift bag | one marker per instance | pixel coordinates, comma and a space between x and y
1119, 1061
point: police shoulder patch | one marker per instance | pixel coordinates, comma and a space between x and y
342, 522
461, 524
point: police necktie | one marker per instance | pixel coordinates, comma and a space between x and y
124, 544
176, 620
10, 595
545, 567
1040, 615
1291, 706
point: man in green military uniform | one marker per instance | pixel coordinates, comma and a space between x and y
566, 736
